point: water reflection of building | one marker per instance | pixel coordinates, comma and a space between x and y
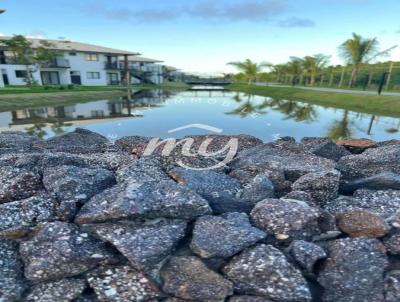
84, 113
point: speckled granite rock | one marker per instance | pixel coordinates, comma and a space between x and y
264, 271
382, 181
17, 218
60, 250
64, 290
143, 244
12, 281
324, 147
223, 236
248, 299
354, 271
286, 218
306, 253
392, 286
122, 284
189, 278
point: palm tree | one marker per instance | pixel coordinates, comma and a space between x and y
249, 68
340, 129
314, 64
295, 68
356, 51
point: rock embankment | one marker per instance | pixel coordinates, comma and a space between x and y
83, 219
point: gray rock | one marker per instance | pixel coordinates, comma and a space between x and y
19, 217
223, 236
384, 203
302, 196
122, 284
144, 245
264, 271
286, 218
392, 286
382, 181
322, 186
221, 191
270, 171
12, 281
17, 141
371, 162
354, 271
392, 242
288, 156
306, 253
324, 147
18, 183
60, 250
257, 189
150, 200
133, 144
72, 185
248, 299
64, 290
79, 141
188, 278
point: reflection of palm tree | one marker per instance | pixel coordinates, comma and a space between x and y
292, 110
246, 108
58, 127
37, 129
340, 128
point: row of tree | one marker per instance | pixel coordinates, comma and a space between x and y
356, 52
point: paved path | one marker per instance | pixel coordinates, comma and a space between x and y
349, 91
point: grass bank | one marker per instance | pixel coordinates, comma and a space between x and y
372, 104
13, 98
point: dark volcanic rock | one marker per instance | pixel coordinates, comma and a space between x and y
63, 290
144, 245
220, 190
354, 271
72, 185
324, 147
322, 186
392, 286
382, 181
223, 236
306, 253
12, 281
61, 250
361, 223
392, 242
288, 156
371, 162
248, 299
150, 200
384, 203
286, 218
301, 195
19, 217
133, 144
18, 183
122, 284
189, 278
17, 141
79, 141
264, 271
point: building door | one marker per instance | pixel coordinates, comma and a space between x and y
112, 78
50, 78
76, 77
5, 77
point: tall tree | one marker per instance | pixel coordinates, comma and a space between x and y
249, 69
24, 53
296, 68
315, 64
356, 51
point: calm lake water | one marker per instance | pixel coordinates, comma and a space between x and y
155, 112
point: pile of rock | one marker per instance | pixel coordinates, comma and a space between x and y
83, 220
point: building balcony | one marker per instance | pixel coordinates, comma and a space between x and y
56, 63
111, 66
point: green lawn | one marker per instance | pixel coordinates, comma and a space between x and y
13, 98
372, 104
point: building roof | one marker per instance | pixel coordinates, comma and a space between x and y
66, 45
171, 68
143, 59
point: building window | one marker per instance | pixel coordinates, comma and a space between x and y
93, 75
72, 53
20, 73
91, 57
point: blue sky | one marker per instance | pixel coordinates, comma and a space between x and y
203, 35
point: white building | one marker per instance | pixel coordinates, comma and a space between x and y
144, 70
76, 63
